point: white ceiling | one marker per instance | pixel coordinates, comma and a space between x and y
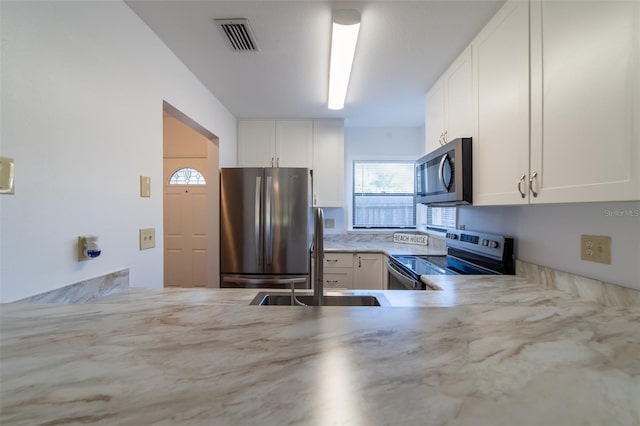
402, 48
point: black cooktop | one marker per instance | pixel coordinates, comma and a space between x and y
424, 265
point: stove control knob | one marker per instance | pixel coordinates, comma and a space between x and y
454, 236
493, 244
485, 243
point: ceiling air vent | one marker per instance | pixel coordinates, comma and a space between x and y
238, 34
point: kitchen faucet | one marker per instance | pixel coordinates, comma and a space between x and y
318, 246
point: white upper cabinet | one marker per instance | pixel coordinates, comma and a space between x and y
501, 107
256, 143
563, 125
458, 83
448, 109
328, 163
275, 143
294, 143
585, 82
434, 121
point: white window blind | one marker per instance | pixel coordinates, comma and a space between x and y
441, 218
383, 194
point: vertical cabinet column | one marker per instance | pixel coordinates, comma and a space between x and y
328, 163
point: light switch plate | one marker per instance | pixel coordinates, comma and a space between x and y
145, 186
6, 176
147, 238
595, 248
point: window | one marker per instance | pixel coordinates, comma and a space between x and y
187, 176
441, 218
383, 194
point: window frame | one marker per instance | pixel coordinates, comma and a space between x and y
354, 194
437, 227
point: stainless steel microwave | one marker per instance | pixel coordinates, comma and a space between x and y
444, 176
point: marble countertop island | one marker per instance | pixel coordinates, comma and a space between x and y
484, 351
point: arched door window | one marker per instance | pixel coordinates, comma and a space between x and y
187, 176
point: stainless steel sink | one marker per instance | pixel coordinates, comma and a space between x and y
284, 299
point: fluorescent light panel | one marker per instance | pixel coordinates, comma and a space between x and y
344, 37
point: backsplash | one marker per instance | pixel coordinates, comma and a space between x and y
603, 293
83, 291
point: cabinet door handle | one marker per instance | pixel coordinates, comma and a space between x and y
315, 201
359, 262
277, 161
522, 178
533, 176
331, 260
332, 281
271, 161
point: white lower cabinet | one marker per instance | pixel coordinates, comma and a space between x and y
368, 271
338, 270
339, 278
362, 271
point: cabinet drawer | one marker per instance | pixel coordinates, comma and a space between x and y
338, 260
339, 279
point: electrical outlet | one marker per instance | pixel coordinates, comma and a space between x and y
147, 238
596, 248
329, 223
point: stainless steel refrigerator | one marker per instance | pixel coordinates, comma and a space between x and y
264, 227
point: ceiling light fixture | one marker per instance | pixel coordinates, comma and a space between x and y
344, 36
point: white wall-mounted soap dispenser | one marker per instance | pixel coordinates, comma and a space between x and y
88, 247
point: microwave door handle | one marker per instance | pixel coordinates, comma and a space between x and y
441, 171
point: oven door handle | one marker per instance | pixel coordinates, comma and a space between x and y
408, 282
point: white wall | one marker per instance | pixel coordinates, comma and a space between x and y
549, 235
82, 91
372, 143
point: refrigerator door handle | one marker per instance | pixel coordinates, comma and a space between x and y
242, 280
269, 220
258, 202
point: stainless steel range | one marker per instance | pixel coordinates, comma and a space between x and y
468, 252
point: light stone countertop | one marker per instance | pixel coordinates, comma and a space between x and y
388, 248
381, 243
484, 351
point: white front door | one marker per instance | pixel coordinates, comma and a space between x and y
185, 224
